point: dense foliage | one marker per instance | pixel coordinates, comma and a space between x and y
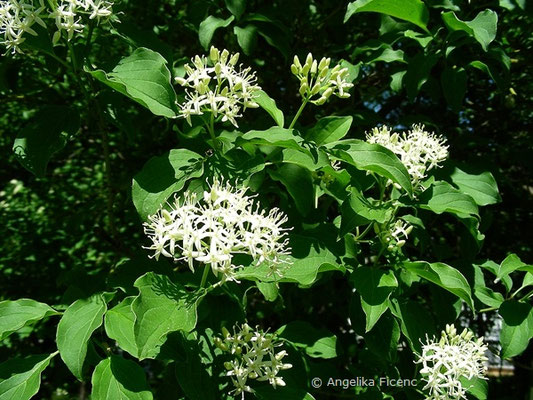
338, 201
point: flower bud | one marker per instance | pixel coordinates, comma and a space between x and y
294, 69
180, 81
234, 59
214, 53
309, 59
218, 68
224, 55
304, 87
324, 63
314, 67
296, 62
315, 89
327, 93
225, 332
228, 365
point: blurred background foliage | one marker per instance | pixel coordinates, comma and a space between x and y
62, 232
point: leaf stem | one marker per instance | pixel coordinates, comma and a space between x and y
299, 112
207, 268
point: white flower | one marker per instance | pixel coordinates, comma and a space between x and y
69, 15
419, 151
255, 357
16, 19
212, 230
397, 234
217, 86
318, 82
445, 361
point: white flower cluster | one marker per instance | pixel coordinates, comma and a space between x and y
218, 87
397, 234
18, 16
16, 19
446, 361
255, 357
419, 151
212, 231
68, 15
318, 81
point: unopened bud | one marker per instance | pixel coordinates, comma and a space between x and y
224, 55
309, 59
328, 92
314, 67
294, 69
296, 62
234, 59
303, 89
228, 365
218, 68
214, 54
315, 89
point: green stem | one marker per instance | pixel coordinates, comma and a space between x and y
299, 112
362, 235
488, 309
210, 126
205, 275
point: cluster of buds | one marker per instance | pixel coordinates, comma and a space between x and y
16, 19
212, 230
255, 357
69, 15
419, 151
397, 234
318, 82
218, 87
446, 361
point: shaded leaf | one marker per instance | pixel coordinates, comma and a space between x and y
75, 328
20, 313
46, 134
408, 10
161, 176
20, 378
161, 307
208, 27
329, 129
317, 343
444, 276
517, 327
144, 77
119, 323
442, 197
482, 27
269, 105
299, 184
116, 378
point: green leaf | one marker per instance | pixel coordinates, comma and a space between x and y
46, 134
119, 323
477, 387
161, 176
488, 297
383, 339
495, 269
372, 157
20, 313
20, 378
442, 197
358, 210
275, 136
246, 37
306, 160
413, 11
482, 27
482, 187
416, 322
418, 72
269, 290
317, 343
299, 183
75, 328
208, 27
422, 39
375, 286
329, 129
444, 276
192, 370
161, 307
143, 77
116, 378
511, 263
269, 105
517, 327
453, 82
309, 257
236, 7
